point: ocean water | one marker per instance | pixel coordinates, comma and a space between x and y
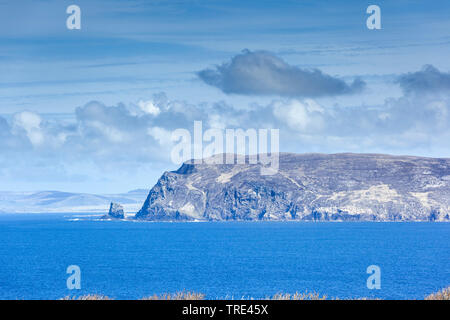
129, 260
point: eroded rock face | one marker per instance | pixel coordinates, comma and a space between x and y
310, 187
115, 211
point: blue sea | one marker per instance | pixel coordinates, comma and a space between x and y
130, 260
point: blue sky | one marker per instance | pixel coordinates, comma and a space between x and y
132, 53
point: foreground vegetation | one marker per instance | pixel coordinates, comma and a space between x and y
444, 294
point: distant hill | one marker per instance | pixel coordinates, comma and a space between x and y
307, 187
56, 201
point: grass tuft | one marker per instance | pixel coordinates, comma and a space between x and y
297, 296
88, 297
444, 294
183, 295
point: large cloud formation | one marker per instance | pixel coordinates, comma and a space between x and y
262, 73
429, 79
141, 132
125, 144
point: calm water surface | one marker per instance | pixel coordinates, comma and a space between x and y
130, 260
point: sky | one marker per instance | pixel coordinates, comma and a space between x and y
92, 110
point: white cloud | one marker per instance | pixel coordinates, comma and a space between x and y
149, 107
102, 132
30, 122
161, 135
302, 116
103, 141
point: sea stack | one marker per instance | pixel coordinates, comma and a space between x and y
115, 211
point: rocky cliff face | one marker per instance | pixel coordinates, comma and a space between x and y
310, 187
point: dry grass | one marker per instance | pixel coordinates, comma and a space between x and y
88, 297
360, 298
183, 295
298, 296
444, 294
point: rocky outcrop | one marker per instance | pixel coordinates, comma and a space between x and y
307, 187
115, 212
